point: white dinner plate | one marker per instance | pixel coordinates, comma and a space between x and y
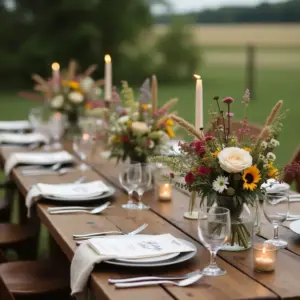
150, 259
295, 226
182, 257
111, 192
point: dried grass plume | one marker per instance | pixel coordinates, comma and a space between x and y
274, 113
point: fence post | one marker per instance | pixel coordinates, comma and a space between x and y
250, 70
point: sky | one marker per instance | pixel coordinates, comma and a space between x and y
190, 5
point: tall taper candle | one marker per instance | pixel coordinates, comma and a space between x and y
55, 74
107, 78
154, 93
199, 103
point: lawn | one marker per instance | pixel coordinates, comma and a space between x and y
271, 85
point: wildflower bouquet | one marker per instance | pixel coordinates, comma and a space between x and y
69, 92
228, 167
137, 129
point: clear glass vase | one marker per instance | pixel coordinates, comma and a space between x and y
244, 223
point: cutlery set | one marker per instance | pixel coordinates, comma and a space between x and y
38, 170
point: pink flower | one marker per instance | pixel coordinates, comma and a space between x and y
230, 114
203, 171
228, 100
209, 138
189, 178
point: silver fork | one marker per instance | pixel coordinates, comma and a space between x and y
90, 235
182, 283
147, 278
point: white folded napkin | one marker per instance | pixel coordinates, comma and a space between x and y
15, 125
274, 186
23, 138
37, 158
80, 191
97, 250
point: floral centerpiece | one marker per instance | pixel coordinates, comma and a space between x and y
69, 93
137, 129
229, 167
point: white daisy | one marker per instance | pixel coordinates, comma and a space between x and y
274, 143
271, 156
220, 184
264, 145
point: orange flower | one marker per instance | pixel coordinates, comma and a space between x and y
144, 107
88, 106
129, 123
169, 122
247, 149
215, 154
170, 132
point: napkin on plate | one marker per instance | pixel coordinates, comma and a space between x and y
274, 186
14, 125
23, 138
80, 191
97, 250
37, 158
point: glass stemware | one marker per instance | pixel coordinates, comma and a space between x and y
83, 146
126, 178
57, 125
214, 228
276, 209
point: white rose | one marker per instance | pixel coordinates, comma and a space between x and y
234, 159
76, 97
123, 120
57, 102
139, 127
86, 84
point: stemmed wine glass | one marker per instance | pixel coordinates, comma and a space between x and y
126, 178
57, 123
83, 146
213, 229
140, 178
276, 209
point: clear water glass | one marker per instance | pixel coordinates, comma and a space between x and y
83, 146
276, 208
214, 228
126, 177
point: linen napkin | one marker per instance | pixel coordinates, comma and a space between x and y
23, 138
97, 250
14, 125
37, 158
80, 191
274, 186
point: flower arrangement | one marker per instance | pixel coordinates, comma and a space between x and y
68, 92
137, 129
228, 168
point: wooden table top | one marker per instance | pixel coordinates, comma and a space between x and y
241, 282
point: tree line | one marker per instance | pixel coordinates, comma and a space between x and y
288, 11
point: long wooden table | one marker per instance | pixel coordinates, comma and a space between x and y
241, 282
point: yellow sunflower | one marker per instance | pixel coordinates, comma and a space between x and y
251, 176
169, 122
170, 132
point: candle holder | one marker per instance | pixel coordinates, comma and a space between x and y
164, 191
264, 257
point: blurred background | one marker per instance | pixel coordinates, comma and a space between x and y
232, 44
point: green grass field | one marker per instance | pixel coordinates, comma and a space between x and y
271, 85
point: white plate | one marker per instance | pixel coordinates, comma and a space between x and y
150, 259
95, 198
295, 226
182, 257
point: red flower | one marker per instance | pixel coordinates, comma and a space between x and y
124, 139
199, 147
189, 178
203, 171
209, 138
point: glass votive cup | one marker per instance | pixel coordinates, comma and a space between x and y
264, 257
164, 191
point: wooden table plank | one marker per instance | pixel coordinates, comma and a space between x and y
61, 228
283, 282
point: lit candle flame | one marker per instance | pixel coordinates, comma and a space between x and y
55, 66
107, 58
264, 250
197, 76
85, 136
